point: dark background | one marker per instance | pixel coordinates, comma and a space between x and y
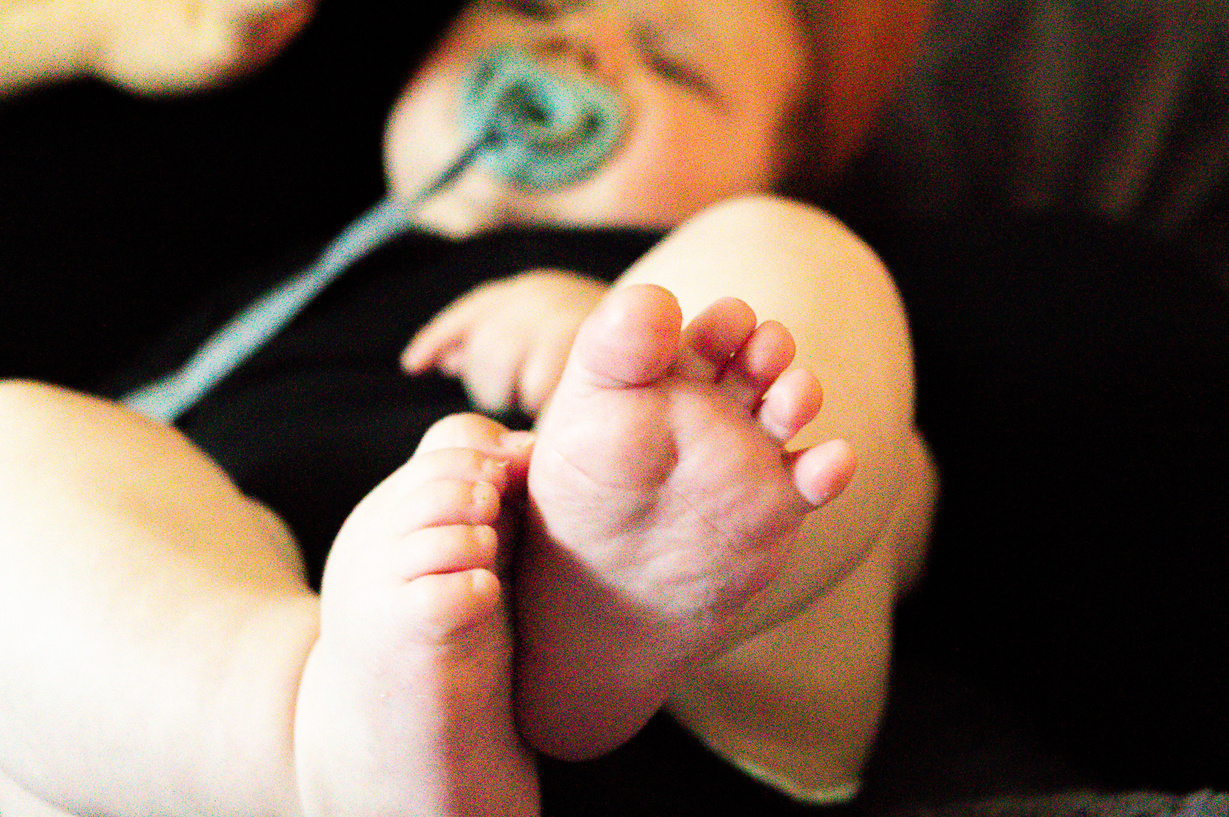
117, 212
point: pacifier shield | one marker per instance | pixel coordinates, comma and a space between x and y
540, 129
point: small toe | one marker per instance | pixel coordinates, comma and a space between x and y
442, 605
447, 502
472, 431
713, 338
792, 401
823, 472
757, 364
444, 549
427, 467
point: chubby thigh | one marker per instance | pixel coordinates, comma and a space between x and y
140, 591
823, 629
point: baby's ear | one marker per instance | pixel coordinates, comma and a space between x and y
175, 46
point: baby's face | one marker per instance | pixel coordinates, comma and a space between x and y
706, 85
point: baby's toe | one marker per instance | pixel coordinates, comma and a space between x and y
469, 431
791, 402
714, 337
631, 339
757, 364
446, 501
444, 549
823, 472
440, 607
426, 468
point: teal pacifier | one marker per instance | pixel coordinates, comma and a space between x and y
537, 128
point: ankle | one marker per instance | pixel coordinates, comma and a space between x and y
259, 699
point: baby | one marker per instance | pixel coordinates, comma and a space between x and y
673, 547
716, 93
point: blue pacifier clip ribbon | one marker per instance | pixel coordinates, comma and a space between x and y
170, 396
536, 128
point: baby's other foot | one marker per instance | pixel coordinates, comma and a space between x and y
404, 706
661, 500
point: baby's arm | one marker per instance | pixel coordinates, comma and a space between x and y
507, 340
151, 46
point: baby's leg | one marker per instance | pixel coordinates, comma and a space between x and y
405, 706
801, 698
799, 704
771, 559
155, 626
153, 621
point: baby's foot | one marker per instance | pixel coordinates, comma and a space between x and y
404, 706
661, 500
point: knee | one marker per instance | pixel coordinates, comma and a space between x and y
31, 409
27, 409
16, 800
41, 432
784, 222
805, 256
806, 268
57, 427
15, 392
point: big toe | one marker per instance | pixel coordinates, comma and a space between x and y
631, 339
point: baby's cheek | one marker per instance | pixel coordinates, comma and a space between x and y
696, 162
656, 177
421, 136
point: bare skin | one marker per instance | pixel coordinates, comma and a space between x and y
223, 685
152, 612
195, 598
405, 704
391, 692
801, 679
148, 46
661, 501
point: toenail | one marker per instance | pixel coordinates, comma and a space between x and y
486, 538
494, 470
516, 441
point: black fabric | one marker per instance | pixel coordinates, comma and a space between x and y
1074, 383
320, 415
118, 213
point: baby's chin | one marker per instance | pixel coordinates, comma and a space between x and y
457, 218
470, 211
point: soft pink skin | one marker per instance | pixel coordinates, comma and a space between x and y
684, 147
661, 501
405, 703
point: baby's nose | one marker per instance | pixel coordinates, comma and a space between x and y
595, 43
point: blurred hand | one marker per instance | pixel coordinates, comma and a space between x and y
507, 340
170, 46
